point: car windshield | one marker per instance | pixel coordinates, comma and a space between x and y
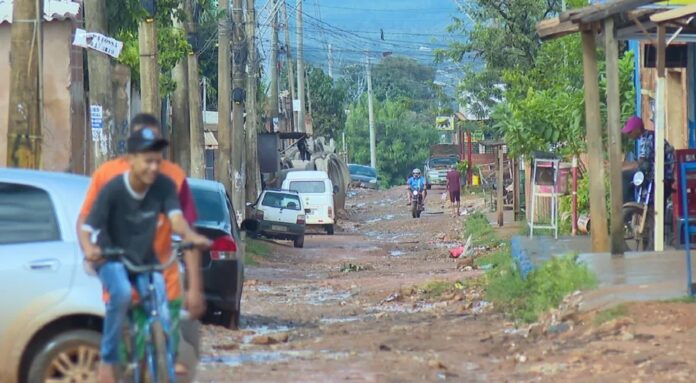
281, 201
443, 161
308, 186
209, 205
362, 171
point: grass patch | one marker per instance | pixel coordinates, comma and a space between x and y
481, 231
610, 314
544, 288
436, 289
255, 249
684, 299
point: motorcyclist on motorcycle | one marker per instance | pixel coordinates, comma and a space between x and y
635, 129
416, 182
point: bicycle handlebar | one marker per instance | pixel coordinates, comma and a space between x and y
114, 253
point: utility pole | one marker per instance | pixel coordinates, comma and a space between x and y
238, 136
273, 102
253, 184
180, 147
149, 68
223, 166
288, 52
24, 122
371, 111
300, 70
196, 137
100, 83
330, 61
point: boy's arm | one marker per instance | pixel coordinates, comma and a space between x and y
93, 224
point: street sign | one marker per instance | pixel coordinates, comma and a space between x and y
98, 42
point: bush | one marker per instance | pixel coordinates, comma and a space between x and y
481, 231
544, 288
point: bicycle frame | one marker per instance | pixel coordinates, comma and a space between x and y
150, 305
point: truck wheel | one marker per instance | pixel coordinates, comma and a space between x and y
69, 356
329, 229
299, 242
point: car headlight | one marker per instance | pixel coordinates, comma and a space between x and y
373, 181
638, 178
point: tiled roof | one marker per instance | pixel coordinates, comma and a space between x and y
53, 10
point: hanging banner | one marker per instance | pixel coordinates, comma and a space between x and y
98, 42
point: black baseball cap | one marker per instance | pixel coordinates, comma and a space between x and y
146, 139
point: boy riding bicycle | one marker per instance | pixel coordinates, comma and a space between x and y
125, 215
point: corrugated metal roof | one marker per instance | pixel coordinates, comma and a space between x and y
53, 10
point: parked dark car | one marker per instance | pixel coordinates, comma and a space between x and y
363, 176
223, 273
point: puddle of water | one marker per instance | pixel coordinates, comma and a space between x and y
325, 295
402, 308
396, 253
257, 357
339, 320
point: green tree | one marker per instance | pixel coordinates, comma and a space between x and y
328, 103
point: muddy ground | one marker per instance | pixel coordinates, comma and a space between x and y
379, 302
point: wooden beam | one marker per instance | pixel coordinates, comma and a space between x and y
674, 14
611, 50
553, 28
598, 211
609, 9
660, 126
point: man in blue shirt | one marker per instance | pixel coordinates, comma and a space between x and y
416, 182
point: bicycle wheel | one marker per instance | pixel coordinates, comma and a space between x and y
159, 354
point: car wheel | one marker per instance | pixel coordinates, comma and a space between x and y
330, 229
298, 242
230, 319
71, 356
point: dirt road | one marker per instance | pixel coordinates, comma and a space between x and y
379, 302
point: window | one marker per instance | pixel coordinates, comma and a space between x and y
26, 215
362, 171
209, 164
281, 201
209, 205
308, 186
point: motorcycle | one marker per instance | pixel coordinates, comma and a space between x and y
638, 215
417, 203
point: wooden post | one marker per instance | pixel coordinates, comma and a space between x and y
149, 68
238, 156
515, 189
196, 139
291, 71
501, 185
253, 184
24, 121
660, 140
223, 168
614, 135
180, 146
598, 211
100, 86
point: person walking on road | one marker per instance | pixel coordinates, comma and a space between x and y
454, 187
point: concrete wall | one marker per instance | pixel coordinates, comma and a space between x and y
58, 121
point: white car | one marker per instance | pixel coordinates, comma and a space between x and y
317, 193
280, 215
51, 311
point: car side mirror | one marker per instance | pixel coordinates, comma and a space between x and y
250, 204
307, 211
335, 189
